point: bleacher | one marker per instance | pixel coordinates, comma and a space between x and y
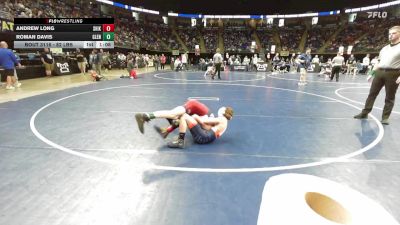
152, 34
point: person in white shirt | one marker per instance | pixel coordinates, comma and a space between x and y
255, 61
230, 60
315, 59
387, 73
217, 59
178, 64
314, 63
246, 61
184, 57
366, 62
337, 63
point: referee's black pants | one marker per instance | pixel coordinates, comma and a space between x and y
336, 71
218, 69
387, 79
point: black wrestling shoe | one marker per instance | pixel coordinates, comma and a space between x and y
173, 122
140, 119
361, 116
170, 121
178, 143
161, 131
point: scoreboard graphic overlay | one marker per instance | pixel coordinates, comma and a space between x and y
89, 33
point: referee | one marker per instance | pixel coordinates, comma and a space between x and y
337, 63
387, 73
8, 61
217, 58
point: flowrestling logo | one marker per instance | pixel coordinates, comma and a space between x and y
379, 15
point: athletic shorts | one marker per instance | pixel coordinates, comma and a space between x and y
49, 66
195, 107
9, 72
81, 64
201, 136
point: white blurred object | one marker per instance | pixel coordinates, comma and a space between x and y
352, 17
300, 199
314, 21
165, 20
281, 22
349, 49
273, 47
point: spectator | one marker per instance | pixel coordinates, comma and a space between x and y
48, 61
8, 61
184, 59
163, 60
156, 61
17, 83
81, 60
366, 62
98, 61
350, 63
130, 64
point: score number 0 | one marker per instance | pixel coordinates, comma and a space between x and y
108, 27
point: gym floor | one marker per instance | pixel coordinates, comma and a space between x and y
75, 156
